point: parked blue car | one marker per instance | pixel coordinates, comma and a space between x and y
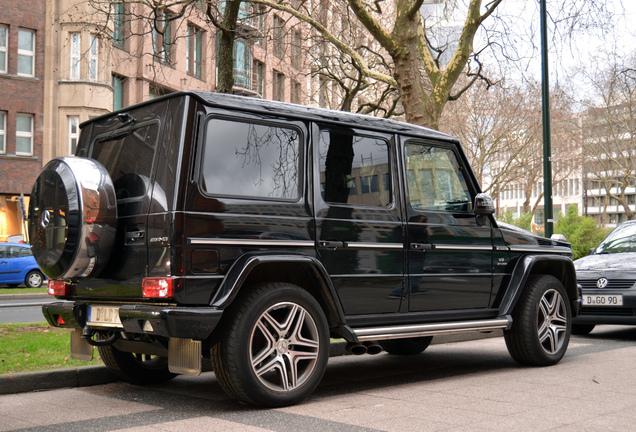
17, 266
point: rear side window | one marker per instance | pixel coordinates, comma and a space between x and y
249, 159
354, 169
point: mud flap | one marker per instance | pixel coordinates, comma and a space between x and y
184, 356
80, 349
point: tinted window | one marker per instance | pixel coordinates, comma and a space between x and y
435, 180
128, 157
354, 169
246, 159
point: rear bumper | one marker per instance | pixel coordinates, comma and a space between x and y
196, 323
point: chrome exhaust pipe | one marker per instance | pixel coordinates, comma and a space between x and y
373, 347
356, 348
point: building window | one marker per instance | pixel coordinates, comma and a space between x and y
75, 55
296, 49
295, 96
279, 24
242, 64
93, 53
73, 133
279, 83
162, 36
193, 54
4, 36
118, 24
26, 52
259, 69
260, 11
118, 92
3, 132
24, 135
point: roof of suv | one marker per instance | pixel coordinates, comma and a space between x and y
251, 104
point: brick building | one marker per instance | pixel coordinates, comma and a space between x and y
22, 28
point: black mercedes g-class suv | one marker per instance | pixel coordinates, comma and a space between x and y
248, 232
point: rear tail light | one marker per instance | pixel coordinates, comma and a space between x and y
59, 288
158, 287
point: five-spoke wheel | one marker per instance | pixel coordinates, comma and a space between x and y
274, 347
541, 325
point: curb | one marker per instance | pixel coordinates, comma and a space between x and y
26, 297
95, 375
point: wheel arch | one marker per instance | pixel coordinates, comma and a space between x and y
559, 266
301, 270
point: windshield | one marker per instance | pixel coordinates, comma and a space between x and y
622, 239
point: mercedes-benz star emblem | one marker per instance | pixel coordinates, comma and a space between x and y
602, 282
46, 219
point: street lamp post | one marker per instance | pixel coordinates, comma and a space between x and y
547, 146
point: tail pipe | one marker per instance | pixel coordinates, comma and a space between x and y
364, 348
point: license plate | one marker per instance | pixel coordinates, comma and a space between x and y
107, 316
602, 300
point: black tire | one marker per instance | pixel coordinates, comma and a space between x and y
541, 323
72, 218
272, 330
34, 279
582, 329
136, 368
408, 346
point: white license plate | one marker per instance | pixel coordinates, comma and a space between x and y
104, 316
602, 300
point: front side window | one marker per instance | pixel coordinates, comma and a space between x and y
73, 133
435, 180
24, 135
247, 159
75, 55
26, 52
4, 36
93, 55
3, 132
348, 160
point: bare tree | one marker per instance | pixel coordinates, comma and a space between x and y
608, 129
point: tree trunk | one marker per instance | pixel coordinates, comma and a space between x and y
227, 34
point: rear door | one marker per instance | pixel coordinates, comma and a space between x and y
359, 232
449, 254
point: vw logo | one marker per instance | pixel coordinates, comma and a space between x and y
46, 219
602, 282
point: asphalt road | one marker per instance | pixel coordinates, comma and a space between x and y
22, 310
461, 386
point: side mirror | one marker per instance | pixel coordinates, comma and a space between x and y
484, 207
591, 251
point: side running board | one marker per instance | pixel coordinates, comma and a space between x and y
420, 330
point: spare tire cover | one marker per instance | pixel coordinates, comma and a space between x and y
72, 218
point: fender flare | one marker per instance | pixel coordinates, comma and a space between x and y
558, 266
240, 270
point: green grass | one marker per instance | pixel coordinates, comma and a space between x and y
36, 346
41, 290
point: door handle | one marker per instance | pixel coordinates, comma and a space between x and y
330, 244
421, 246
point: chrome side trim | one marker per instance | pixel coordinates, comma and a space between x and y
462, 247
542, 250
251, 242
419, 330
363, 245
